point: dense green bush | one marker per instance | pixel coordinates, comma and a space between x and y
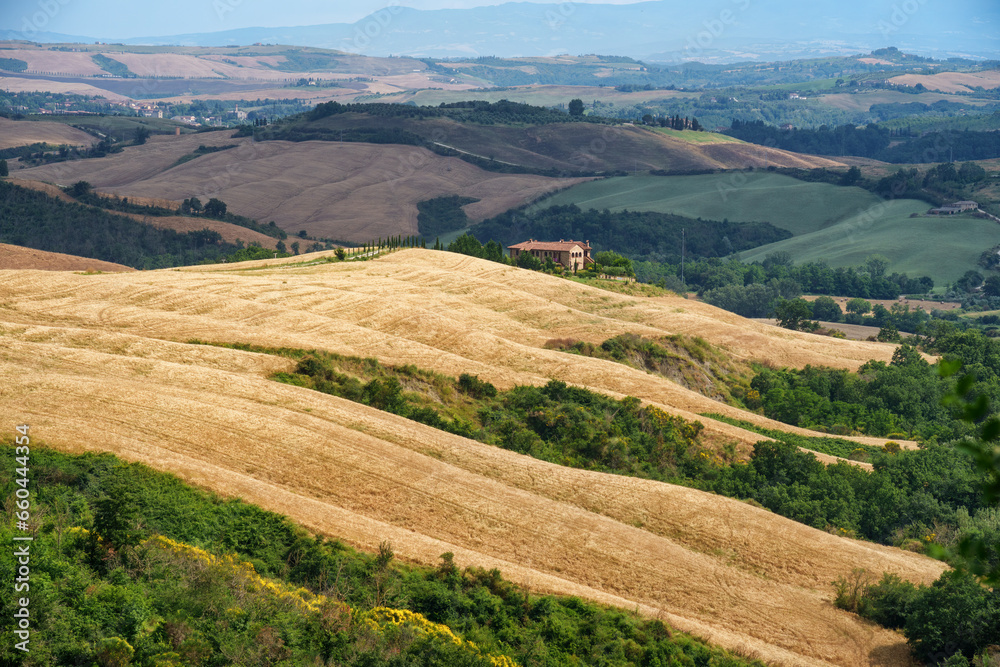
442, 215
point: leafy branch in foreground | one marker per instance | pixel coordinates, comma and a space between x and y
976, 554
957, 618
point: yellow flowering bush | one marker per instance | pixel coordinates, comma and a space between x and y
380, 617
377, 620
300, 597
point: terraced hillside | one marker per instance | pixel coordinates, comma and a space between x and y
100, 362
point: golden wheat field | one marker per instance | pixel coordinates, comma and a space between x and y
952, 82
101, 363
19, 257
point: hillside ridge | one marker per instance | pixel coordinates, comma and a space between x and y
118, 376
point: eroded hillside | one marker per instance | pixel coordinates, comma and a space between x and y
101, 362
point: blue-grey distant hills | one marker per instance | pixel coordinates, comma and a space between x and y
663, 30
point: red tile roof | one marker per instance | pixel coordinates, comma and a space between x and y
552, 246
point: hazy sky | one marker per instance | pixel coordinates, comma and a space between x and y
140, 18
952, 21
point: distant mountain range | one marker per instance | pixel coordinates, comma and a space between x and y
659, 31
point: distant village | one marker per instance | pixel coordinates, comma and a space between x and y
236, 116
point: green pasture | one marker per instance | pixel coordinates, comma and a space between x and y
839, 225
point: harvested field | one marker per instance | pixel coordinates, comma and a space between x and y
864, 101
576, 147
852, 331
230, 233
57, 62
314, 95
97, 362
133, 164
25, 84
345, 191
23, 133
47, 188
923, 304
193, 67
18, 257
541, 95
951, 82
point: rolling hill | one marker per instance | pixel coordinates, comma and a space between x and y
122, 73
566, 148
13, 134
783, 201
942, 247
118, 376
346, 191
839, 225
229, 232
18, 257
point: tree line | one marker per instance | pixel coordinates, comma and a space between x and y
474, 111
872, 141
638, 235
35, 220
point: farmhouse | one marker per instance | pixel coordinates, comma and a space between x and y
571, 254
956, 207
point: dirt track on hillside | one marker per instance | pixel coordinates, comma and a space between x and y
98, 362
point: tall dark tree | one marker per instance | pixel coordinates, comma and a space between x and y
467, 244
576, 107
792, 313
215, 208
79, 189
117, 514
826, 309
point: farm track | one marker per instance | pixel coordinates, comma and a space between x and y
99, 362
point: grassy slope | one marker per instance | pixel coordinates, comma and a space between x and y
113, 380
760, 196
841, 226
698, 137
943, 248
